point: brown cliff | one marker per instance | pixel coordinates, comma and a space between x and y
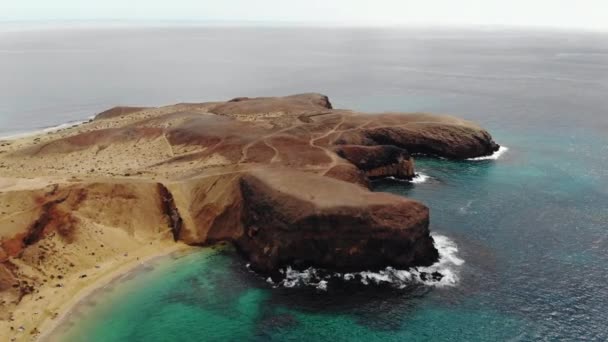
299, 219
379, 160
284, 178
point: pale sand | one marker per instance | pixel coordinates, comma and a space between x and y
45, 315
124, 248
106, 246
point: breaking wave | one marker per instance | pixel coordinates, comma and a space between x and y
442, 273
418, 178
493, 156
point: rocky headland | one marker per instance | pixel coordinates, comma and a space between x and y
285, 179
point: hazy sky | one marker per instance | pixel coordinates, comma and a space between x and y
586, 14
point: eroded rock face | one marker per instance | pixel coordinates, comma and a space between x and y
457, 142
298, 219
61, 210
441, 136
48, 233
379, 161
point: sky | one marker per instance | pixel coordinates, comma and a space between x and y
582, 14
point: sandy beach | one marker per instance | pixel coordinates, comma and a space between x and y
99, 253
38, 318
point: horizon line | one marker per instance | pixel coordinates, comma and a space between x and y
291, 23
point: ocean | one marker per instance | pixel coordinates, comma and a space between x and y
524, 235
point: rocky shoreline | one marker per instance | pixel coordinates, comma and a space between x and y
286, 179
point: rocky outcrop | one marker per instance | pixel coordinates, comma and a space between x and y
298, 219
284, 178
444, 140
170, 210
442, 136
378, 161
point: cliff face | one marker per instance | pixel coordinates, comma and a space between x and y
285, 179
293, 218
379, 160
441, 136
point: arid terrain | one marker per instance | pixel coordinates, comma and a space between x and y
285, 179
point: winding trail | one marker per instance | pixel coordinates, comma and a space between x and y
334, 158
171, 152
264, 139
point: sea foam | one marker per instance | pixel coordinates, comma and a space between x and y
493, 156
442, 273
417, 179
420, 178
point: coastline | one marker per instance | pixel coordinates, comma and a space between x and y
88, 203
44, 324
45, 130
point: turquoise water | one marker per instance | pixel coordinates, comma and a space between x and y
531, 227
208, 295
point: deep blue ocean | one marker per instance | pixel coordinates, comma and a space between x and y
531, 227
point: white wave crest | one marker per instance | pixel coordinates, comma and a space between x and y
417, 179
442, 273
420, 178
493, 156
447, 265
